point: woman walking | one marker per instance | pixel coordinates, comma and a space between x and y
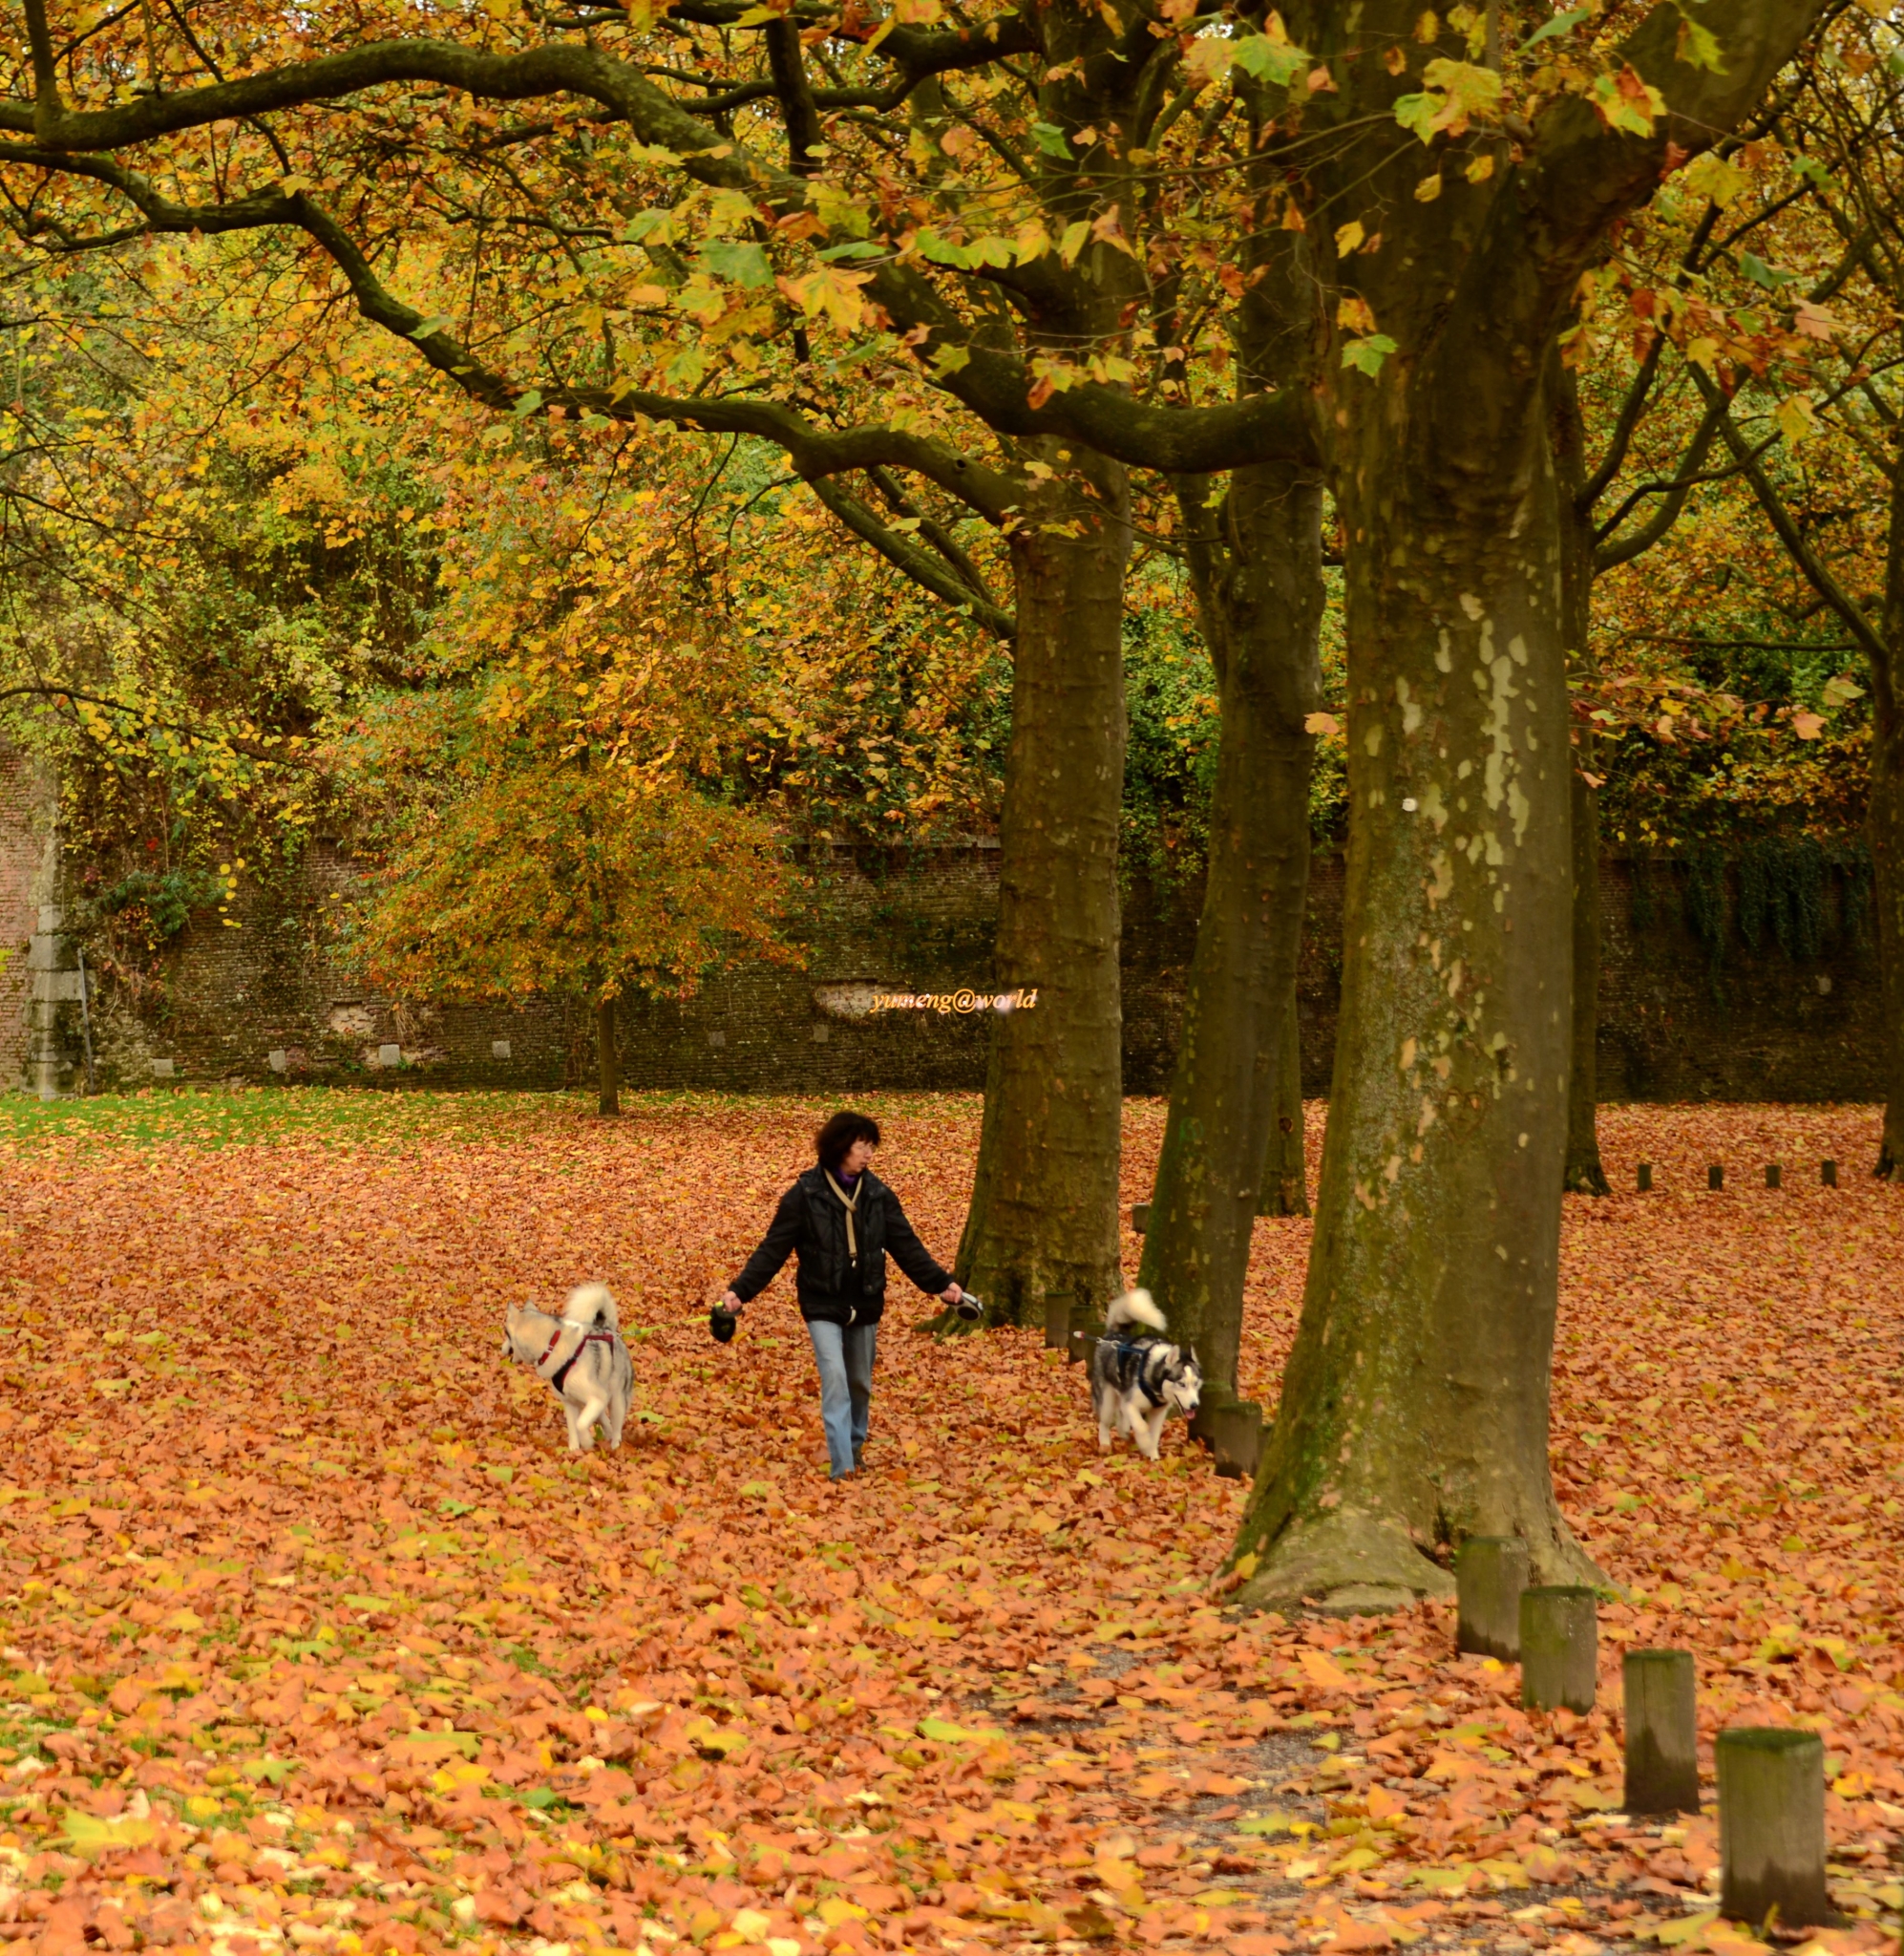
844, 1222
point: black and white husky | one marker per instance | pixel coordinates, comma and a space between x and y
581, 1357
1137, 1380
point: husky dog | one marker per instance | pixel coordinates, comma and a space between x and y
581, 1357
1137, 1379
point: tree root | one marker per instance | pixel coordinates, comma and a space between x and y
1351, 1563
1585, 1176
1354, 1563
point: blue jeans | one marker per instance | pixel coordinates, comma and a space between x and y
844, 1354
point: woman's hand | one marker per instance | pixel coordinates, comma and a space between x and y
951, 1294
730, 1303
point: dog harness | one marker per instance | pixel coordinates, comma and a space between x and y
592, 1336
1128, 1356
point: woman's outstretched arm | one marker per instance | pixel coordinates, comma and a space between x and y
912, 1256
783, 1235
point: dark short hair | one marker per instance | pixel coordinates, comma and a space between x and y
837, 1138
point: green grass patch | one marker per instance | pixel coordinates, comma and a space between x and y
345, 1117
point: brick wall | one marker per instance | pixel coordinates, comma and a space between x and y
274, 998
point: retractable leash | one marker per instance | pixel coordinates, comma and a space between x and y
969, 1308
723, 1323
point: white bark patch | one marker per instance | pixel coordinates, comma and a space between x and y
1372, 740
1434, 807
1499, 767
1442, 885
1517, 648
1470, 604
1444, 655
1407, 1055
1454, 979
1411, 710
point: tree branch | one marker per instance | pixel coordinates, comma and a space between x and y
1816, 572
1608, 554
920, 566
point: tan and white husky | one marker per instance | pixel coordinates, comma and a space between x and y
581, 1357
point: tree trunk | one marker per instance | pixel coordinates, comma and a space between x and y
1885, 833
1285, 1167
607, 1061
1259, 597
1581, 1170
1043, 1223
1414, 1409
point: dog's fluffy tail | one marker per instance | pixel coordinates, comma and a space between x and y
1135, 1307
591, 1303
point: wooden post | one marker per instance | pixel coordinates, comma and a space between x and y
1058, 1321
1771, 1826
1559, 1649
1828, 1174
1489, 1574
1662, 1732
1140, 1218
1233, 1431
1715, 1175
1774, 1175
1646, 1176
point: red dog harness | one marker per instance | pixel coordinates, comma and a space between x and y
562, 1371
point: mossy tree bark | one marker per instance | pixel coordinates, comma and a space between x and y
1285, 1167
1042, 1220
1414, 1407
1257, 572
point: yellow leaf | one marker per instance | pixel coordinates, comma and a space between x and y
89, 1835
1349, 236
1797, 419
1429, 188
1711, 175
1323, 1673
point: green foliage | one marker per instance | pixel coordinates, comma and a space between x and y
1169, 769
1781, 882
167, 897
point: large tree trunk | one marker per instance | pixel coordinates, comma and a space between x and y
1259, 597
1581, 1170
607, 1060
1885, 835
1414, 1409
1042, 1231
1285, 1167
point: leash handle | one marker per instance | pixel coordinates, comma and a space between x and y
970, 1308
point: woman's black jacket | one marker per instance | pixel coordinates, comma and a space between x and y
812, 1221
